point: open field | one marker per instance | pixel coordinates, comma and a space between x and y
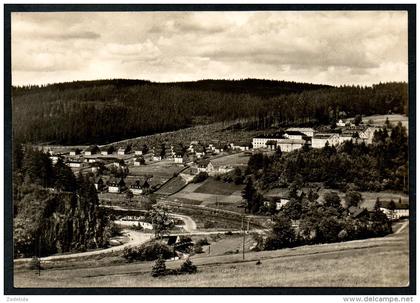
165, 167
380, 119
211, 191
212, 186
377, 262
238, 159
172, 186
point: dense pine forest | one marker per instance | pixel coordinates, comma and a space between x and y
84, 112
54, 211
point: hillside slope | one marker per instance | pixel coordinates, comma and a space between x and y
86, 112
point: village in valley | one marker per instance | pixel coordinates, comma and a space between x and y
193, 181
174, 151
169, 168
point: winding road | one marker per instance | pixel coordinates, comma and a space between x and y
135, 238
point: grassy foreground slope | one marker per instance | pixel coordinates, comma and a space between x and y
378, 262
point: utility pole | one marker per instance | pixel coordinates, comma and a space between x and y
39, 255
243, 239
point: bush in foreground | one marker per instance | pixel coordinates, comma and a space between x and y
188, 267
159, 269
147, 252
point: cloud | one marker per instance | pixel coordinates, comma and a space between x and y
321, 47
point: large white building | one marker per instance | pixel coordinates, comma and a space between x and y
261, 142
308, 131
285, 144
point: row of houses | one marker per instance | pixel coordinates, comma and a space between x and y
113, 185
197, 150
105, 151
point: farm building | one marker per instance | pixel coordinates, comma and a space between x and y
205, 165
75, 164
242, 146
116, 186
121, 151
200, 151
75, 152
341, 123
367, 134
54, 159
180, 159
397, 211
138, 161
139, 187
105, 151
91, 150
319, 140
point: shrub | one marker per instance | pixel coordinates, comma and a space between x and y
187, 267
198, 249
35, 264
147, 252
202, 242
342, 235
209, 224
115, 230
159, 269
200, 177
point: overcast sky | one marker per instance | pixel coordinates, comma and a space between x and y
318, 47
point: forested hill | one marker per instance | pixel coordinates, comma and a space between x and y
84, 112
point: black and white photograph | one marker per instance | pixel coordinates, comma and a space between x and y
188, 147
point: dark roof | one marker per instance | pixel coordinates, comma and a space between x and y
385, 204
295, 132
92, 148
203, 163
270, 136
356, 211
99, 179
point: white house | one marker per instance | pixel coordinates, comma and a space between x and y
205, 166
114, 188
319, 140
91, 150
341, 123
138, 161
279, 204
75, 164
138, 187
367, 134
138, 152
74, 152
54, 159
179, 159
121, 151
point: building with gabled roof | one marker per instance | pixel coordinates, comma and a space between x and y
307, 131
320, 139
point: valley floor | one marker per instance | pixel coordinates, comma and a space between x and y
376, 262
